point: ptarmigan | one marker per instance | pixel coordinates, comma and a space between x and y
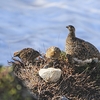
27, 55
79, 48
53, 52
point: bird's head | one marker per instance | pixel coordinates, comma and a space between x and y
16, 54
37, 53
70, 28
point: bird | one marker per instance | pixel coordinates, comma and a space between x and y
79, 48
27, 55
53, 52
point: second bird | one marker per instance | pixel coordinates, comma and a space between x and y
53, 52
27, 55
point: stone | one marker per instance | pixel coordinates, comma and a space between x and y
50, 74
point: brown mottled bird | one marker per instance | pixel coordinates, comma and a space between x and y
53, 52
27, 55
79, 48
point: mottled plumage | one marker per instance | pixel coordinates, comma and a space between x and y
79, 48
27, 55
53, 52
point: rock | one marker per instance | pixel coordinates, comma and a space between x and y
63, 98
50, 74
60, 98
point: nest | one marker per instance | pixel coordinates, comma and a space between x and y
76, 83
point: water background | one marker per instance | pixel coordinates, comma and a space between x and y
40, 24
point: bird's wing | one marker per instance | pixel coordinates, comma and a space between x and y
88, 47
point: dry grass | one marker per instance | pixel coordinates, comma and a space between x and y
76, 82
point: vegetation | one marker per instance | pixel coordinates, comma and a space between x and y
78, 82
10, 87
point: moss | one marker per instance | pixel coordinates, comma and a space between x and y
63, 55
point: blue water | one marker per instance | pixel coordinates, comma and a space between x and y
41, 23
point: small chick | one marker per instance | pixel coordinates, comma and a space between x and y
27, 55
53, 52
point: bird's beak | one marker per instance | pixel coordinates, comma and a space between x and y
66, 26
